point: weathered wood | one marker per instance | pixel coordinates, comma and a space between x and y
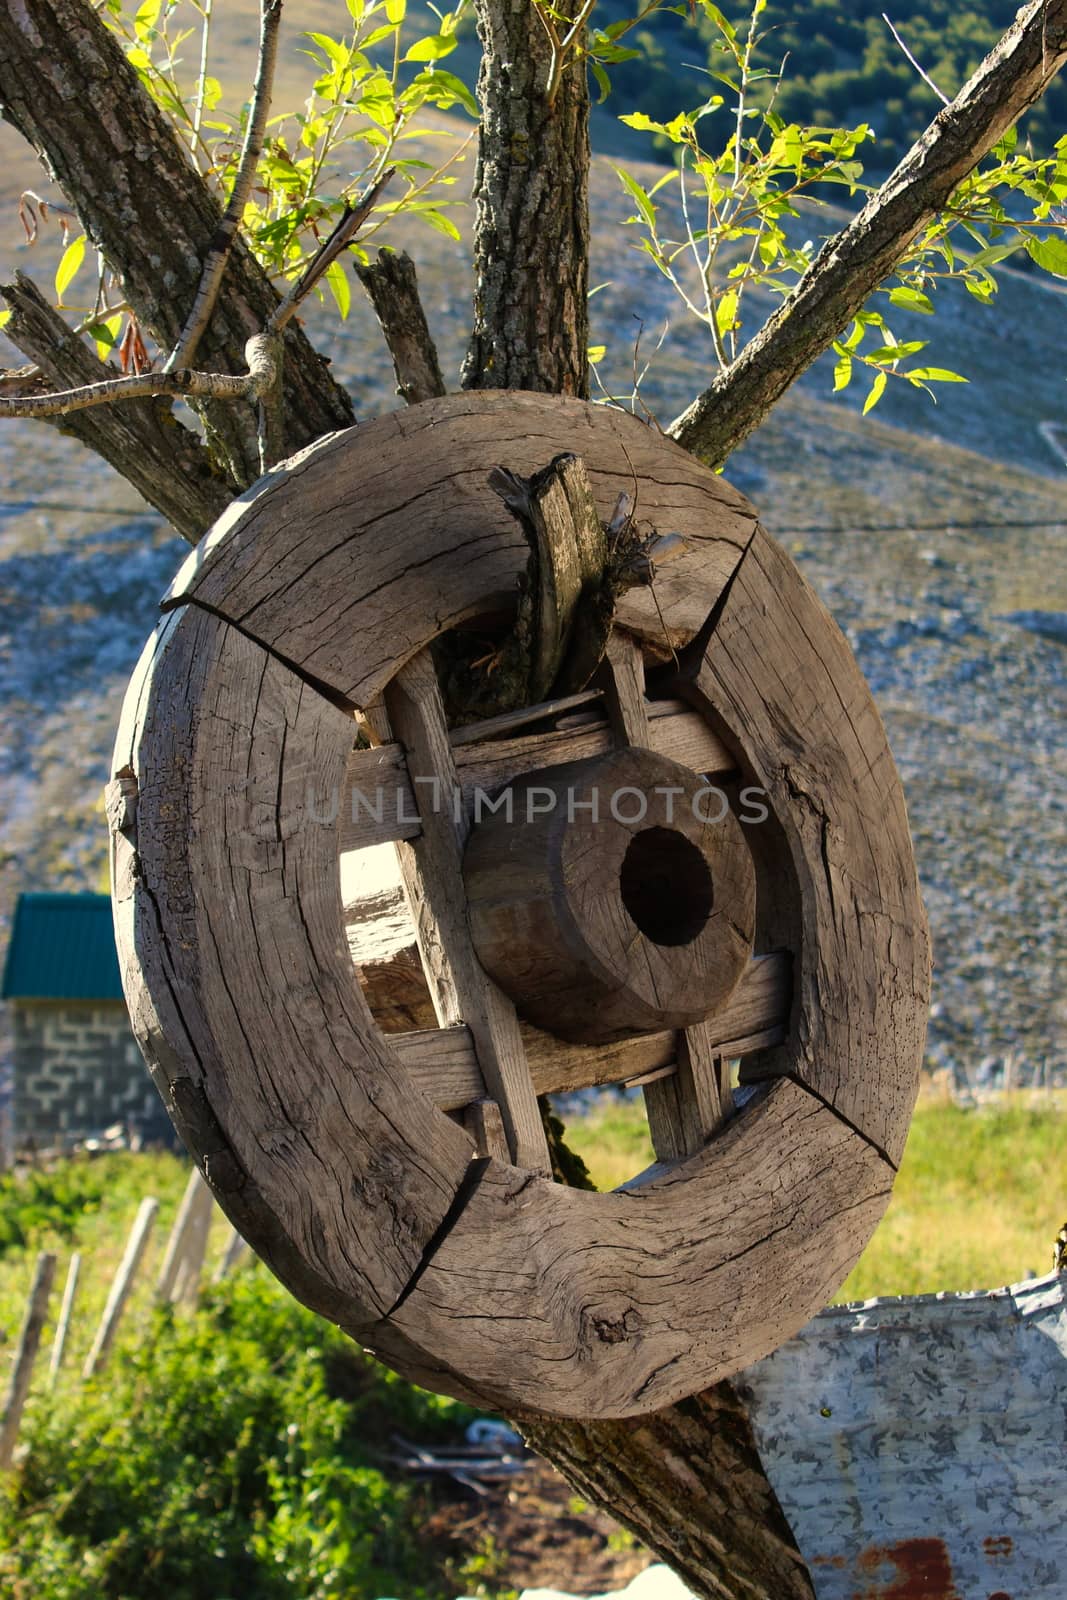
683, 1108
232, 1252
66, 1310
377, 804
196, 1197
392, 284
604, 903
442, 1061
194, 1248
778, 672
689, 1483
418, 717
477, 1277
239, 982
347, 602
29, 1341
121, 1287
611, 1304
485, 1125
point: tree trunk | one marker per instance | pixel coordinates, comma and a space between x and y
689, 1483
66, 85
531, 239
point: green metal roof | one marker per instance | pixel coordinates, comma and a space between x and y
62, 948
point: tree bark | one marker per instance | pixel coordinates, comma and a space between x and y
141, 439
531, 239
689, 1483
850, 266
66, 85
393, 288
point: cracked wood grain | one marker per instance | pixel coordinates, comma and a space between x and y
317, 563
777, 670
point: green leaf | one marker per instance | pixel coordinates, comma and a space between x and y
911, 300
105, 334
877, 390
146, 18
1051, 254
337, 278
69, 263
595, 352
842, 373
602, 79
443, 224
639, 197
5, 317
726, 312
337, 52
395, 9
432, 48
445, 90
935, 375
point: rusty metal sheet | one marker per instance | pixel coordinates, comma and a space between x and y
919, 1446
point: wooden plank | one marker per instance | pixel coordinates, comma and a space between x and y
66, 1309
512, 721
485, 1125
443, 1063
377, 803
121, 1287
417, 714
623, 673
28, 1344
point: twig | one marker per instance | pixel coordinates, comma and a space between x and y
185, 384
925, 76
352, 219
203, 305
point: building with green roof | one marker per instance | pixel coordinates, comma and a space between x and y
77, 1068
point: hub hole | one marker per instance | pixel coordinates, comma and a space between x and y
666, 886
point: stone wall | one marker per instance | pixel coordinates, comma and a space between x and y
77, 1071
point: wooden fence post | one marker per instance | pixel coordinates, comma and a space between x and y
70, 1289
195, 1190
121, 1286
233, 1250
25, 1356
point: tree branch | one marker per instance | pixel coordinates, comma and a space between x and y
270, 16
185, 384
67, 86
851, 265
393, 288
164, 461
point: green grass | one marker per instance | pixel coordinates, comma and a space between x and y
238, 1448
980, 1198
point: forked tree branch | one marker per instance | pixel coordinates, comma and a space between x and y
263, 353
164, 461
851, 265
270, 16
393, 288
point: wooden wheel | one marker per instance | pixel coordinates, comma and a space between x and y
338, 1151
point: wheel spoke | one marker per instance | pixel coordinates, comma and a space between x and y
435, 880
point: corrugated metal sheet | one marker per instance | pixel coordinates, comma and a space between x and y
62, 948
919, 1446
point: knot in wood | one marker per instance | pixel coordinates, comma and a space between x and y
611, 896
